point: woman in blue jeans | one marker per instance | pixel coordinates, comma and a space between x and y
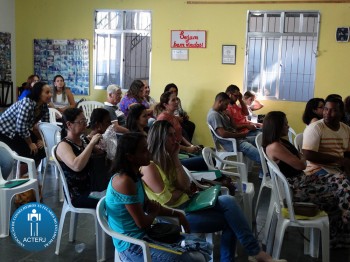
131, 213
166, 182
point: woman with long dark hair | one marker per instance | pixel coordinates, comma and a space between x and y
137, 119
62, 96
18, 124
313, 110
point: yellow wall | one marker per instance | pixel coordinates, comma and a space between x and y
203, 76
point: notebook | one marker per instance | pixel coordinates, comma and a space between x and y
204, 199
14, 183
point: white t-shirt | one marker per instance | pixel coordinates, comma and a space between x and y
320, 138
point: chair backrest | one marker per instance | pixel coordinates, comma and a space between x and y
209, 156
258, 142
281, 189
216, 142
62, 176
6, 164
53, 112
291, 135
51, 135
298, 142
88, 107
8, 154
103, 221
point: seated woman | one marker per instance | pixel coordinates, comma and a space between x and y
129, 210
62, 96
18, 124
73, 154
329, 191
135, 95
165, 181
313, 110
188, 127
167, 106
104, 151
137, 120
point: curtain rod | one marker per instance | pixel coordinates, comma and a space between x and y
271, 2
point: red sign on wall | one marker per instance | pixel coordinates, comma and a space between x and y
188, 39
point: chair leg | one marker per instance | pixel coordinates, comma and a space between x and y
73, 226
269, 216
5, 209
100, 242
314, 242
279, 235
325, 242
60, 228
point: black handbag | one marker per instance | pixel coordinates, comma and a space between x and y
164, 232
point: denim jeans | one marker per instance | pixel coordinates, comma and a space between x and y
226, 216
134, 254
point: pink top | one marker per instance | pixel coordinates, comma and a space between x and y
173, 121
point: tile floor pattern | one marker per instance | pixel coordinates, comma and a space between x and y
9, 251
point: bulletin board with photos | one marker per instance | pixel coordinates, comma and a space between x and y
69, 58
5, 56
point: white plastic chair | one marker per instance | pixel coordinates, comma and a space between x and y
51, 135
88, 107
265, 182
291, 135
298, 142
102, 220
243, 187
282, 193
221, 152
53, 112
6, 194
68, 207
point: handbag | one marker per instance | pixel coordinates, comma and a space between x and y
204, 199
164, 232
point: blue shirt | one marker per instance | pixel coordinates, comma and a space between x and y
119, 218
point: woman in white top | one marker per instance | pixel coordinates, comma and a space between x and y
62, 97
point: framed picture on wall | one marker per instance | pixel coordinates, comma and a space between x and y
228, 54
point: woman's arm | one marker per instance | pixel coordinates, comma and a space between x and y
76, 163
277, 151
125, 185
70, 98
154, 181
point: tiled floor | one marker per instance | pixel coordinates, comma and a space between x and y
9, 251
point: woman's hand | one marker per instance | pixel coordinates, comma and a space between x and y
40, 144
95, 139
183, 221
193, 149
33, 148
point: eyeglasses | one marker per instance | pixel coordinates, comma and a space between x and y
81, 121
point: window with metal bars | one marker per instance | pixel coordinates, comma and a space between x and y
122, 47
281, 53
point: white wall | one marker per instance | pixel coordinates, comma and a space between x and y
7, 25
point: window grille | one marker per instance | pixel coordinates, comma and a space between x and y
281, 54
122, 47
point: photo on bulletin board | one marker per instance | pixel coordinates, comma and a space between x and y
69, 58
229, 54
